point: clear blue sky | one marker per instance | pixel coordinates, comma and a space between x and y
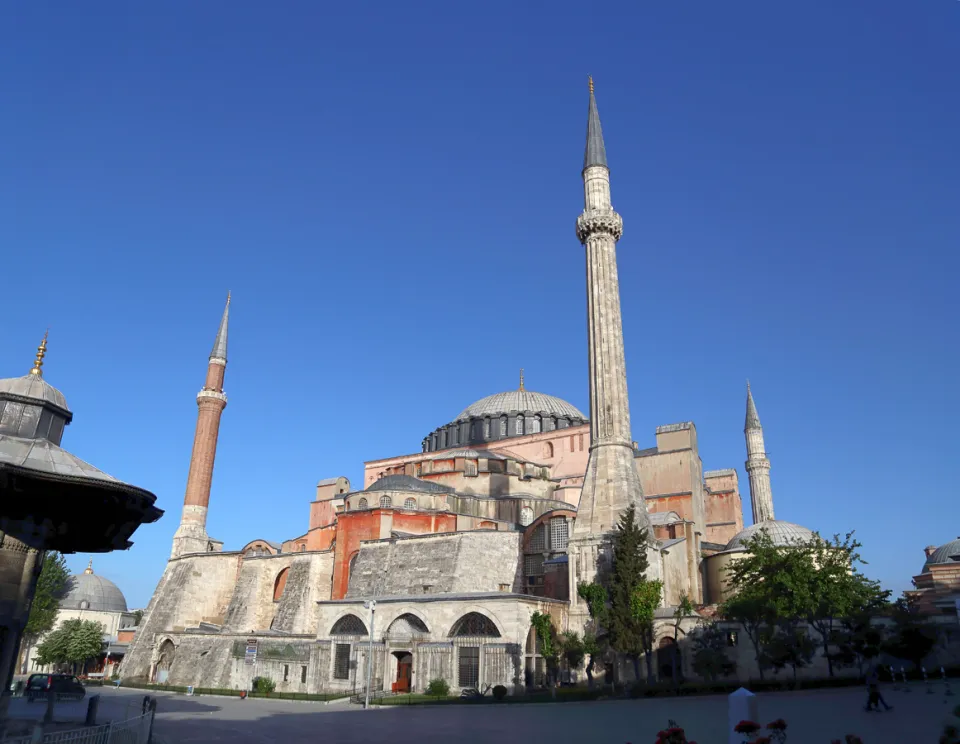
390, 191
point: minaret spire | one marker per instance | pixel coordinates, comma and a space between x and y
757, 465
191, 536
595, 153
611, 484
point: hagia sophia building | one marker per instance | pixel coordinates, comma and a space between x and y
500, 513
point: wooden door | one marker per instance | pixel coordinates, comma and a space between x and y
404, 671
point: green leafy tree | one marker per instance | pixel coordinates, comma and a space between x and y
792, 647
838, 588
594, 639
572, 649
632, 597
52, 585
771, 588
137, 616
857, 641
73, 642
548, 642
86, 642
710, 659
912, 640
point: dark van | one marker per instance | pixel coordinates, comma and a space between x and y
65, 686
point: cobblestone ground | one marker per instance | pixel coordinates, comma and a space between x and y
813, 717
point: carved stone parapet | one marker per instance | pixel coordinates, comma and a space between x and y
763, 464
211, 394
596, 221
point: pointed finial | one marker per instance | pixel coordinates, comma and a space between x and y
590, 79
41, 353
89, 568
521, 379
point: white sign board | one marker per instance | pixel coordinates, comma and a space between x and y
741, 706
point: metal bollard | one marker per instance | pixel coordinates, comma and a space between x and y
92, 705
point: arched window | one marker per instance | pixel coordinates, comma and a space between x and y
503, 426
385, 502
303, 547
280, 584
537, 421
443, 439
526, 516
424, 447
362, 503
519, 427
407, 626
454, 435
475, 624
486, 428
410, 503
548, 449
349, 625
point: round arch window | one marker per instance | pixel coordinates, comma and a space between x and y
526, 516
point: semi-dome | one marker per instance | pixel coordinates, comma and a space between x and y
91, 592
946, 553
400, 482
781, 532
520, 401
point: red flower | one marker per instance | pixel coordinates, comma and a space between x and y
746, 727
778, 725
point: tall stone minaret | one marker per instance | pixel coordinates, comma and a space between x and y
758, 466
191, 535
611, 483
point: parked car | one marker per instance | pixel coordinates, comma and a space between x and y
64, 685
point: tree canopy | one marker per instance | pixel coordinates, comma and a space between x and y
74, 641
52, 585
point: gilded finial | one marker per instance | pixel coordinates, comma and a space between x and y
89, 568
521, 379
41, 353
590, 78
228, 296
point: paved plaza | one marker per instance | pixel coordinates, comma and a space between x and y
813, 717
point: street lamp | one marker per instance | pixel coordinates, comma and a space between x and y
372, 606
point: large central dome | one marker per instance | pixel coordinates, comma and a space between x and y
515, 413
520, 401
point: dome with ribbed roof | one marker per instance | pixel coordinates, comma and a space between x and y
34, 386
520, 401
946, 553
781, 532
91, 592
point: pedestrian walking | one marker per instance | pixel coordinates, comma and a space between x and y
874, 698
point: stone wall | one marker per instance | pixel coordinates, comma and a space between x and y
193, 589
479, 561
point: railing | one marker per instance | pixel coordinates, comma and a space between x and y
133, 731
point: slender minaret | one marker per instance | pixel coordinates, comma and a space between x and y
758, 466
191, 535
611, 483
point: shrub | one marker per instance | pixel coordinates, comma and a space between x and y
264, 685
499, 692
438, 687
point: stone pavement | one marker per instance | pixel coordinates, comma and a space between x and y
813, 717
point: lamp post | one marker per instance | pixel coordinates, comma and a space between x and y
372, 606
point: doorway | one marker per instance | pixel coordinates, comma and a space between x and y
404, 671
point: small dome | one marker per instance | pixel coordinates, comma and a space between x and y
34, 386
946, 553
782, 533
520, 401
91, 592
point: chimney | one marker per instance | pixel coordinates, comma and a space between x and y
928, 551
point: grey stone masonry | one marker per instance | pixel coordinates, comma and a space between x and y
757, 464
481, 561
611, 483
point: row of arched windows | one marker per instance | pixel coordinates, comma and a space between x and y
386, 503
471, 624
462, 433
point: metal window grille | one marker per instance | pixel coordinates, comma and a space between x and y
486, 428
519, 424
533, 565
362, 504
469, 667
536, 424
341, 661
526, 516
503, 426
349, 625
559, 534
410, 504
538, 541
385, 502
